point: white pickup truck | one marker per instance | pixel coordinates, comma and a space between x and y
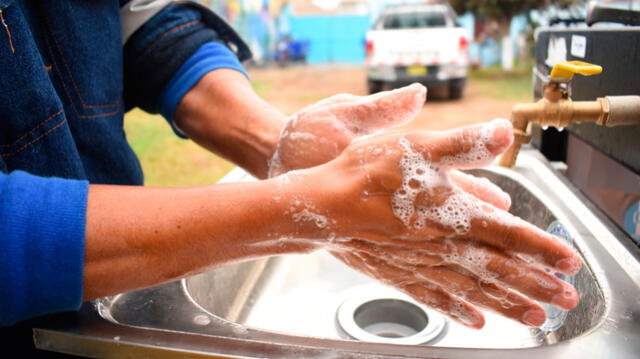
417, 43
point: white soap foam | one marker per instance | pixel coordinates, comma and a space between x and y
478, 154
418, 176
202, 320
474, 259
459, 208
422, 176
309, 216
304, 136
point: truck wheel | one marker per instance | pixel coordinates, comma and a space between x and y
456, 88
374, 86
455, 93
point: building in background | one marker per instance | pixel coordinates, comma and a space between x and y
333, 31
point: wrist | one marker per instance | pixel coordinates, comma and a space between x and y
315, 201
223, 114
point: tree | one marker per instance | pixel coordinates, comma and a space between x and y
503, 11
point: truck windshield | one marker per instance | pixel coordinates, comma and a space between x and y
414, 20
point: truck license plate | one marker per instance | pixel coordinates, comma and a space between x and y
416, 70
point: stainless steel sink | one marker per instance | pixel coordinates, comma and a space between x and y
288, 306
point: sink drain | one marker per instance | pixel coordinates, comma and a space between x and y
378, 314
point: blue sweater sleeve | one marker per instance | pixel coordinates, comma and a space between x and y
209, 57
42, 228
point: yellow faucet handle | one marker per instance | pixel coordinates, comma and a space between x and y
566, 69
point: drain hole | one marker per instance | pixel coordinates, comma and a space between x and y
373, 313
391, 318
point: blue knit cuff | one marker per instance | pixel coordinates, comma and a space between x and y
210, 56
42, 232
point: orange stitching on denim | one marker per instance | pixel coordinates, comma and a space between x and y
55, 68
33, 129
66, 90
117, 110
6, 27
73, 81
177, 27
64, 60
34, 140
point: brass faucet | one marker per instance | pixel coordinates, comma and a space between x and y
558, 110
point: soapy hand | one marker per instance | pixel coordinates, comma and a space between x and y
394, 206
392, 211
320, 132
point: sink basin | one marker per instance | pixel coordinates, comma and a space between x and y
301, 294
296, 305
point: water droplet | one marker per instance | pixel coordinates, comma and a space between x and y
201, 319
239, 329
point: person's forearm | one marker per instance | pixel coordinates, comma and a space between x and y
223, 114
137, 237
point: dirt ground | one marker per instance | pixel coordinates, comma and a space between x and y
293, 88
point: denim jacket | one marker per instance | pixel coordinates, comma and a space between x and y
66, 79
65, 76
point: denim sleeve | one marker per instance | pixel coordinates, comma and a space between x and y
155, 52
42, 229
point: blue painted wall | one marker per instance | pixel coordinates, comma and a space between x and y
340, 39
337, 39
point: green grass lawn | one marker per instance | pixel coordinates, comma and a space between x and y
168, 160
513, 86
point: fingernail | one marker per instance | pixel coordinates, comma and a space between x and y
472, 320
568, 299
507, 200
502, 137
569, 265
534, 317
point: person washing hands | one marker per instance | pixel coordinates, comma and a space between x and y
76, 222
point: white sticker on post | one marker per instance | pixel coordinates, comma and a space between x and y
578, 46
556, 51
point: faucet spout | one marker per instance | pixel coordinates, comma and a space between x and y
521, 114
561, 112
